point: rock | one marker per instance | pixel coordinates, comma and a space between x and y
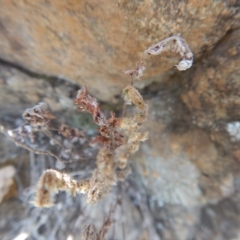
93, 42
19, 90
7, 186
213, 92
175, 219
188, 170
182, 168
220, 221
177, 156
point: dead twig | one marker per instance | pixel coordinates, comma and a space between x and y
8, 134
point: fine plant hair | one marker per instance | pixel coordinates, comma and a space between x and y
118, 138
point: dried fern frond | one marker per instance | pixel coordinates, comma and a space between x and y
38, 116
69, 132
176, 44
132, 95
118, 137
85, 102
51, 182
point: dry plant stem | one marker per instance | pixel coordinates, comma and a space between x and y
23, 145
140, 199
90, 232
175, 44
51, 137
122, 211
124, 110
118, 137
107, 223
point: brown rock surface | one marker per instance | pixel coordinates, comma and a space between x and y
92, 42
213, 91
185, 169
